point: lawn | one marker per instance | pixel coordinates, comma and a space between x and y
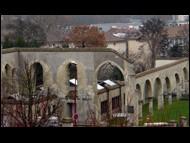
169, 112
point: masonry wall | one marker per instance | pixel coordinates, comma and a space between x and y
134, 45
162, 74
55, 62
118, 46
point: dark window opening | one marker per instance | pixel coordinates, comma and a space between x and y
104, 107
116, 102
38, 74
109, 71
7, 69
72, 71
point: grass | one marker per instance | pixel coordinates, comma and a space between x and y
169, 112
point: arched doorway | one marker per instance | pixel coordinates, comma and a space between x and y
110, 76
147, 90
177, 91
7, 80
168, 85
177, 79
157, 93
168, 91
8, 70
148, 106
138, 88
38, 74
185, 74
72, 92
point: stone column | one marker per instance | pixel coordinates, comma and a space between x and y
150, 100
140, 108
178, 92
160, 101
169, 98
187, 86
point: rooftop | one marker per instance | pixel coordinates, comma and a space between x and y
120, 34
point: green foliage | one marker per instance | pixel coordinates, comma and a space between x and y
7, 42
175, 51
169, 112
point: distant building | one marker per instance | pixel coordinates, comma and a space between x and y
178, 20
124, 41
175, 35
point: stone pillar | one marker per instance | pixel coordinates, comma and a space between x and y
178, 92
187, 86
140, 108
160, 101
169, 98
150, 100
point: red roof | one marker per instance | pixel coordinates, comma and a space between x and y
176, 30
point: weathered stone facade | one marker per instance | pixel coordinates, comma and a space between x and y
55, 67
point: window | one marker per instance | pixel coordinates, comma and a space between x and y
116, 102
104, 107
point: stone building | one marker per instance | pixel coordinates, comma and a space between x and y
101, 99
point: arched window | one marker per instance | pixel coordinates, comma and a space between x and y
185, 74
7, 70
177, 78
147, 90
168, 85
38, 74
157, 87
72, 73
109, 71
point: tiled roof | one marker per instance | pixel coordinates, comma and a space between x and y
175, 31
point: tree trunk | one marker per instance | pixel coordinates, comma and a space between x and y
153, 60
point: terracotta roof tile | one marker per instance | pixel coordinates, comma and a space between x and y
175, 31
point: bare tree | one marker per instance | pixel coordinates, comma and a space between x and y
30, 106
140, 60
154, 33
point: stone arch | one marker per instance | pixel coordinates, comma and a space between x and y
177, 78
185, 74
38, 70
8, 70
3, 67
157, 87
47, 75
147, 90
62, 77
168, 85
114, 64
158, 93
138, 88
